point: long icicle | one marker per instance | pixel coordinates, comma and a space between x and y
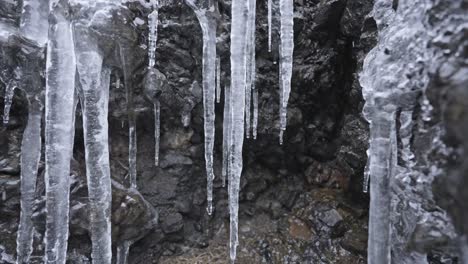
153, 90
250, 64
270, 11
59, 132
30, 157
255, 113
34, 26
218, 80
208, 25
132, 141
286, 59
94, 98
227, 122
238, 82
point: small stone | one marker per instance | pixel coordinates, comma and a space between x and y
172, 223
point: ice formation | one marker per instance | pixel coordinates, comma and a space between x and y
227, 122
390, 100
218, 80
286, 59
151, 89
238, 83
270, 17
132, 136
11, 85
94, 99
59, 132
74, 55
34, 26
205, 12
250, 64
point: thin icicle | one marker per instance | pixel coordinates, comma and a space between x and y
227, 122
152, 91
9, 93
270, 11
206, 17
255, 113
286, 59
153, 36
122, 252
59, 132
238, 82
218, 80
157, 131
132, 137
250, 64
30, 156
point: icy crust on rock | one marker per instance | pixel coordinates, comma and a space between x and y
394, 78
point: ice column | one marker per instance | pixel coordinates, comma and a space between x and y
238, 82
204, 11
59, 131
94, 98
286, 59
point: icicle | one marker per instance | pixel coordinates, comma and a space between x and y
270, 11
255, 113
382, 165
250, 63
157, 132
153, 36
227, 122
286, 59
132, 140
238, 82
94, 99
152, 91
9, 93
30, 156
208, 25
218, 80
59, 132
122, 252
